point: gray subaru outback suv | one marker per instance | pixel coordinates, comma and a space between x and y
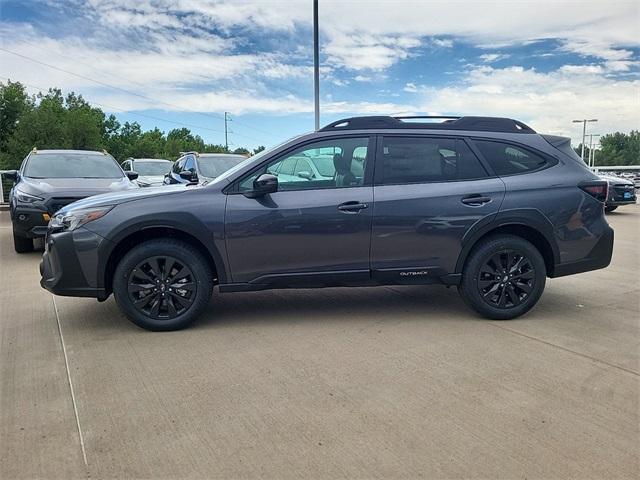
486, 204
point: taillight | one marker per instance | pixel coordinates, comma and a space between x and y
597, 189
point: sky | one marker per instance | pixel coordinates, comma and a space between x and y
173, 63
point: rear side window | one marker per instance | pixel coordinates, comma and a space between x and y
507, 159
427, 159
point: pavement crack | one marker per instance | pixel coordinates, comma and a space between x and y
70, 383
584, 355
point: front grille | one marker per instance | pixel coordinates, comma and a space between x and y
57, 203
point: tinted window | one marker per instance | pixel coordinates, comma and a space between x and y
213, 166
427, 159
177, 167
506, 159
190, 164
332, 163
72, 165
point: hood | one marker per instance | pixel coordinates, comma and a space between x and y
150, 179
117, 198
616, 180
75, 187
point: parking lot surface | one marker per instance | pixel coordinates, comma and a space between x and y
367, 382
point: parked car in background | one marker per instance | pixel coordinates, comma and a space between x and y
486, 204
151, 171
194, 167
621, 192
50, 179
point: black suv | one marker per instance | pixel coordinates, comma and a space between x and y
485, 204
50, 179
194, 167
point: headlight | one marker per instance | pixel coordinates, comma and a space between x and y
27, 197
76, 218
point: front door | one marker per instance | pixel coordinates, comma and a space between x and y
316, 228
429, 192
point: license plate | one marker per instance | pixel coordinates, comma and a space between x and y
627, 194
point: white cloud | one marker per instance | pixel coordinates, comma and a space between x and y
493, 57
362, 78
410, 87
547, 101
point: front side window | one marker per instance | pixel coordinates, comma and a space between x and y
190, 164
72, 165
426, 159
507, 159
177, 167
335, 163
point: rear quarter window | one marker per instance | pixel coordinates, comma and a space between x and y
508, 159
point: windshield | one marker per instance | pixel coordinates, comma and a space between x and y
72, 165
150, 169
212, 167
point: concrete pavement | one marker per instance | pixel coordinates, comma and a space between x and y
399, 382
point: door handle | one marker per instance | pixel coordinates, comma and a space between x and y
352, 207
475, 200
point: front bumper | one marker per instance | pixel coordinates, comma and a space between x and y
69, 264
30, 222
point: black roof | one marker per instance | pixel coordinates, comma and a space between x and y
484, 124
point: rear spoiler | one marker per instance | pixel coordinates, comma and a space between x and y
556, 140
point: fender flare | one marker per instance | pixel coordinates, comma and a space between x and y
184, 223
526, 217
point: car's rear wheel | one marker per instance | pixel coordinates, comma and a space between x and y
503, 277
610, 209
163, 284
22, 244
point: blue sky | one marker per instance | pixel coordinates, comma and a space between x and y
168, 63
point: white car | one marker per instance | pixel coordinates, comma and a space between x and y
151, 171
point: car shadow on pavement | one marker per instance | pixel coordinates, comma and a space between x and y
277, 307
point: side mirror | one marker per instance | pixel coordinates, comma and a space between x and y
11, 175
306, 175
263, 185
131, 174
189, 175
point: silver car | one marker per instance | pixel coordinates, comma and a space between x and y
151, 171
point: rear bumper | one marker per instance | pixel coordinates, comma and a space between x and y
599, 257
68, 265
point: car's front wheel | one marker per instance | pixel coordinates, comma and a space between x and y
503, 277
22, 244
163, 284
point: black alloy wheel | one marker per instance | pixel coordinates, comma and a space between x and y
503, 277
506, 279
162, 287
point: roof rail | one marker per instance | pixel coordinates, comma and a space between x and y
193, 152
484, 124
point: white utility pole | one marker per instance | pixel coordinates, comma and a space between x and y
584, 132
316, 66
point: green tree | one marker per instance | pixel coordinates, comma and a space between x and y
619, 149
14, 102
259, 149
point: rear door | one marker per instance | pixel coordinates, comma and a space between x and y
429, 191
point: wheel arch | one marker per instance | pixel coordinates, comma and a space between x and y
530, 225
127, 240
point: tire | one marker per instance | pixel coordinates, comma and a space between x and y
610, 209
163, 284
22, 244
504, 298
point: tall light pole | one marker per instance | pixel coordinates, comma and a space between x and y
316, 66
591, 155
584, 131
